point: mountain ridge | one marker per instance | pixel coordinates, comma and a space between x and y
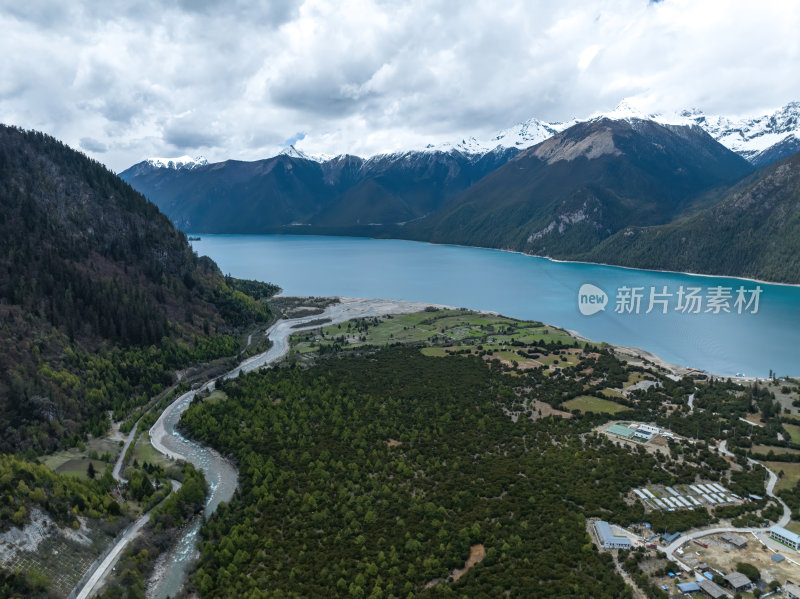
759, 139
100, 296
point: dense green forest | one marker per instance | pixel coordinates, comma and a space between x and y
753, 231
100, 297
373, 476
25, 485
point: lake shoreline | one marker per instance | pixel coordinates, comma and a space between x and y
730, 342
560, 261
522, 253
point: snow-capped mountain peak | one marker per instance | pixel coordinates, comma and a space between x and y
758, 139
627, 110
293, 152
750, 136
529, 133
182, 162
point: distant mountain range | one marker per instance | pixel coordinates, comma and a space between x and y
565, 195
557, 189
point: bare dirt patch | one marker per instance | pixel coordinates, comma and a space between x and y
476, 555
539, 409
723, 556
394, 443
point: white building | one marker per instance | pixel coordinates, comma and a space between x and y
608, 540
649, 428
787, 537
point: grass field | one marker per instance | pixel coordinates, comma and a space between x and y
794, 526
78, 467
444, 332
144, 452
56, 460
794, 432
453, 327
765, 449
791, 474
587, 403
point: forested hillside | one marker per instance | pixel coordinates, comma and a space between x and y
754, 231
375, 476
100, 297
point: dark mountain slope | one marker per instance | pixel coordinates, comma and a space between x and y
568, 193
99, 295
754, 231
235, 196
279, 193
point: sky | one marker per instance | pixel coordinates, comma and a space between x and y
123, 81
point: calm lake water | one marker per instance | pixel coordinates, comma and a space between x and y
751, 342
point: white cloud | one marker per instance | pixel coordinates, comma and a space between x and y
238, 79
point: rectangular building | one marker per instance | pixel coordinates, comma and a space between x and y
607, 538
787, 537
792, 590
738, 581
620, 431
711, 588
736, 540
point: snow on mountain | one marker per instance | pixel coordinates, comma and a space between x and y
759, 139
750, 136
182, 162
520, 136
626, 110
293, 152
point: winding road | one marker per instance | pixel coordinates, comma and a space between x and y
221, 474
688, 537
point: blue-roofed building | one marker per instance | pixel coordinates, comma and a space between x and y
620, 431
668, 538
607, 538
689, 587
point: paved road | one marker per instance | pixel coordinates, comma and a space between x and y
771, 482
118, 466
347, 309
107, 565
688, 537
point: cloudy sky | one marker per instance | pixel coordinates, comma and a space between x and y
127, 80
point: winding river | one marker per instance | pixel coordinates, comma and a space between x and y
221, 474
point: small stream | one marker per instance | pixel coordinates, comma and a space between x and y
221, 474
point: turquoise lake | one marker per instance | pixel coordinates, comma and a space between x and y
745, 340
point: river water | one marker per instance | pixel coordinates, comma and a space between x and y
220, 473
752, 342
